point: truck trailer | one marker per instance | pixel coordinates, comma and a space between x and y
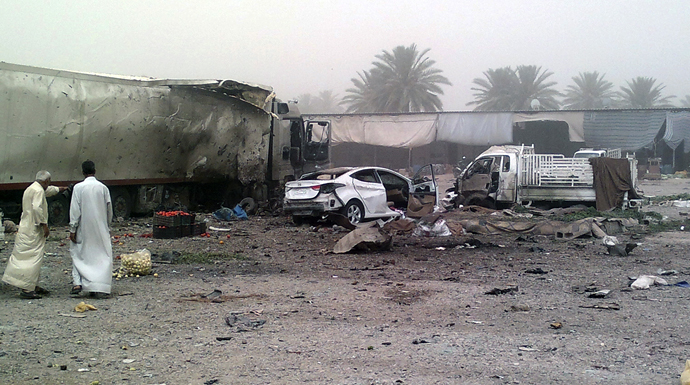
506, 175
154, 141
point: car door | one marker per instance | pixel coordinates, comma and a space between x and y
507, 180
424, 195
370, 190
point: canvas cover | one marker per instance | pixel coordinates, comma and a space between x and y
576, 130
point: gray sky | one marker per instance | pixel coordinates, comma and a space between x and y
309, 46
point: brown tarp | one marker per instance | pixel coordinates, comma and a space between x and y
584, 227
612, 180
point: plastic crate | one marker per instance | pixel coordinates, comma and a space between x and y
197, 228
186, 220
160, 220
164, 232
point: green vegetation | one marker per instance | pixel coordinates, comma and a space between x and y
678, 197
191, 258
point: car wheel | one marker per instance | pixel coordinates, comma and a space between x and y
248, 205
354, 212
58, 211
122, 203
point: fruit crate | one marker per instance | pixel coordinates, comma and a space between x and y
165, 220
172, 218
197, 228
165, 232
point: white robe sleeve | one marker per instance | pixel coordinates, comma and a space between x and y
75, 211
52, 190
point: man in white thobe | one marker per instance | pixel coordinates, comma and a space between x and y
24, 265
90, 215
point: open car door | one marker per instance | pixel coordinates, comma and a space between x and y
424, 195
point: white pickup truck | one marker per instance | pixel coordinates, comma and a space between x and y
506, 175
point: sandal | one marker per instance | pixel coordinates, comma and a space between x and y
75, 290
40, 290
29, 295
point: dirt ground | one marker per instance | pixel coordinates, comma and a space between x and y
293, 312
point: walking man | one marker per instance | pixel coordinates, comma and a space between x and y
90, 215
24, 265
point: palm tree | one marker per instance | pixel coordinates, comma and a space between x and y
533, 85
305, 103
508, 89
685, 103
362, 97
328, 102
589, 91
496, 92
403, 80
642, 92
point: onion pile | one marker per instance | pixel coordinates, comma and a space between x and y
135, 264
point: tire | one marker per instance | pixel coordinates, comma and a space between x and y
122, 203
58, 210
479, 199
248, 205
354, 211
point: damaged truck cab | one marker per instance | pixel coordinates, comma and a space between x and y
506, 175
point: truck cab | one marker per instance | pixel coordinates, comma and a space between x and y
491, 179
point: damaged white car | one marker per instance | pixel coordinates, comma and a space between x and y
360, 193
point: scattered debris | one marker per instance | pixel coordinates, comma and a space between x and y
526, 348
556, 325
168, 257
538, 270
342, 220
684, 284
643, 282
603, 306
216, 296
72, 315
666, 272
242, 323
83, 306
432, 225
519, 308
600, 294
499, 291
223, 338
368, 238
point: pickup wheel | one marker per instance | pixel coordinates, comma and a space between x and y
354, 211
122, 203
478, 199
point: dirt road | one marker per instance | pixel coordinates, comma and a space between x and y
292, 312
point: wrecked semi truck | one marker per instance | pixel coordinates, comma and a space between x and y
506, 175
155, 142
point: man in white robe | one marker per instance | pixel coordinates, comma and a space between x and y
24, 265
90, 215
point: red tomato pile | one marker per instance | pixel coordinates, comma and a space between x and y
205, 235
172, 213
